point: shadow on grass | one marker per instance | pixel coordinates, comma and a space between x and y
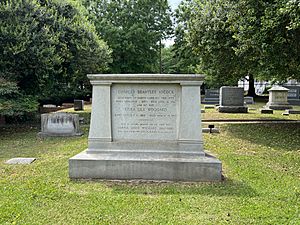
283, 137
227, 187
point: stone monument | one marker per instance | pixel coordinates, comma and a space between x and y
278, 98
59, 125
212, 96
293, 94
232, 100
145, 126
78, 105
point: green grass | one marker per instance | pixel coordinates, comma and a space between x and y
212, 114
261, 164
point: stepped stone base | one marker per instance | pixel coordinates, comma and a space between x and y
279, 106
145, 165
233, 109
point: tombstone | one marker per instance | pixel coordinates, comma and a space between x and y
232, 100
23, 161
292, 111
78, 105
49, 106
211, 96
293, 94
60, 125
248, 100
145, 126
266, 111
278, 98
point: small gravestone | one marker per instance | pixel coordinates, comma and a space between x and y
60, 125
78, 105
49, 106
20, 161
232, 100
293, 94
266, 111
209, 107
278, 98
292, 111
212, 96
248, 100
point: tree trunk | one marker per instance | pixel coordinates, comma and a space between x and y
251, 91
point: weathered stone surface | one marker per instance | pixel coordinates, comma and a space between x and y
248, 100
212, 96
266, 111
278, 98
78, 105
293, 94
209, 107
60, 125
145, 126
20, 161
232, 100
292, 111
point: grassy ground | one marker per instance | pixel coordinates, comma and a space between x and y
261, 164
253, 113
212, 114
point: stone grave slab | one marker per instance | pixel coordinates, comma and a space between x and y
266, 111
278, 98
145, 126
20, 161
212, 96
60, 124
78, 105
232, 100
293, 94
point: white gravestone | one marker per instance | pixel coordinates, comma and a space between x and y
60, 124
145, 126
278, 98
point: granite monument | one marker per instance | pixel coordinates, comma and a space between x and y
145, 126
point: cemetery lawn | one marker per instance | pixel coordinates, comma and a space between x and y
253, 114
212, 114
261, 164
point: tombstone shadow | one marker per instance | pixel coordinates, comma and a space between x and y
282, 137
228, 187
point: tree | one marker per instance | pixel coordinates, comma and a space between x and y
234, 39
133, 29
182, 50
48, 47
268, 35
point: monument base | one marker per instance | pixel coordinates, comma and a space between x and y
131, 165
233, 109
279, 106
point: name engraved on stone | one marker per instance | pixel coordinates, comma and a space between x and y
144, 112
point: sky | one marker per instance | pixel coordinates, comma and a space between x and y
174, 3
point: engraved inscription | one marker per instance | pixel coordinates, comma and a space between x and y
144, 112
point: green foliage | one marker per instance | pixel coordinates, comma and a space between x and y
48, 47
182, 50
133, 29
12, 102
268, 35
234, 39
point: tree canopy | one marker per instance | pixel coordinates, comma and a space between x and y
234, 39
133, 30
48, 47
